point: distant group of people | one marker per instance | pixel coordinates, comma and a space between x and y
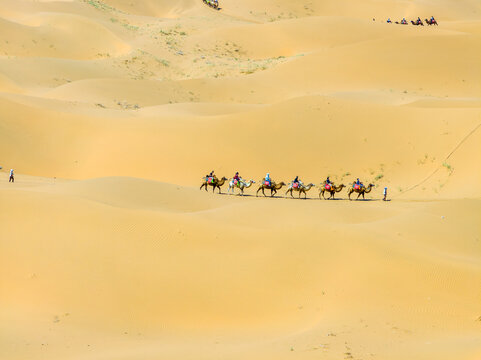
431, 21
212, 3
268, 181
296, 183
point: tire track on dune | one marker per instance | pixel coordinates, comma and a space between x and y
439, 166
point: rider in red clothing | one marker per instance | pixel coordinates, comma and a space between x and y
236, 177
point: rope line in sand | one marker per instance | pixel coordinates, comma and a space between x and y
439, 166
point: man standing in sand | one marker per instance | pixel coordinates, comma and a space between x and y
11, 179
385, 194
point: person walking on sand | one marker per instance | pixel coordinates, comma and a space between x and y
385, 194
11, 179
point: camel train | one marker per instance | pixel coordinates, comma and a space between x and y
325, 188
212, 3
417, 22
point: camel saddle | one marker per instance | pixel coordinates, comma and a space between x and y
295, 185
357, 187
236, 181
327, 187
267, 183
210, 180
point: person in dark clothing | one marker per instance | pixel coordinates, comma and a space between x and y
296, 183
211, 175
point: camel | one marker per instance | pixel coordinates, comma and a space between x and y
361, 191
273, 187
332, 190
241, 184
431, 22
302, 189
401, 23
417, 22
215, 183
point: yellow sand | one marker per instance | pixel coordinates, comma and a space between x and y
112, 111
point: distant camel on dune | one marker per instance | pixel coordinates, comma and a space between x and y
302, 189
212, 3
362, 190
431, 22
331, 189
273, 187
241, 185
214, 182
417, 23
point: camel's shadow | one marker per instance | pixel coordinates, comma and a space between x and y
239, 195
366, 200
294, 198
291, 198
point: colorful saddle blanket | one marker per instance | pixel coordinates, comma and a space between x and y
357, 187
327, 187
295, 185
210, 180
267, 183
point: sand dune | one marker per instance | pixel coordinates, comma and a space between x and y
111, 112
312, 294
61, 36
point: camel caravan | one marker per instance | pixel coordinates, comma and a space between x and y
212, 3
417, 22
295, 186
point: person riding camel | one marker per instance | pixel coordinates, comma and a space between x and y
404, 21
268, 179
419, 21
359, 183
328, 183
236, 178
210, 176
389, 21
295, 183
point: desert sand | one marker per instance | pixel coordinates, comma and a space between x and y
112, 111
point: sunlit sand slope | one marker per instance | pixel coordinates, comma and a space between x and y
126, 267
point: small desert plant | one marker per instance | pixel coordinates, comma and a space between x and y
448, 167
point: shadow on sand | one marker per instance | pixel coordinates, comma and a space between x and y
296, 198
